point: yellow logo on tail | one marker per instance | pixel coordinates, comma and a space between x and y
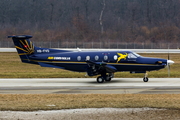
28, 48
121, 56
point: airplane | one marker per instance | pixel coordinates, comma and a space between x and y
103, 63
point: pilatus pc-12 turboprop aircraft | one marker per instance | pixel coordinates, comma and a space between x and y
103, 63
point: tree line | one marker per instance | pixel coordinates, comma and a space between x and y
92, 20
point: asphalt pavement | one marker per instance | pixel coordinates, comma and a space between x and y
90, 86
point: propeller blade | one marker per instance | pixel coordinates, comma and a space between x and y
169, 62
168, 66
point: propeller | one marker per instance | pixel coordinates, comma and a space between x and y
168, 66
169, 62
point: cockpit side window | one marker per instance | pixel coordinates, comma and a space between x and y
131, 55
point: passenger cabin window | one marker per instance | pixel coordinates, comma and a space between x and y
79, 58
96, 57
115, 57
87, 57
105, 57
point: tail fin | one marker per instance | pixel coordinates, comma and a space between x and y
24, 46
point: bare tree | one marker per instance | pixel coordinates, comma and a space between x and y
100, 17
119, 20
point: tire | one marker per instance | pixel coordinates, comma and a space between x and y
145, 79
100, 79
108, 78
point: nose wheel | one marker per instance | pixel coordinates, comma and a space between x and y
145, 79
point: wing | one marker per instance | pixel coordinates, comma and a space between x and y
96, 68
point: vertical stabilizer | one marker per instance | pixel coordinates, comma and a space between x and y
24, 46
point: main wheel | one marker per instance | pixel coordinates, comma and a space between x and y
108, 78
100, 79
145, 79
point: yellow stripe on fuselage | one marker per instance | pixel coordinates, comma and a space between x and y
66, 62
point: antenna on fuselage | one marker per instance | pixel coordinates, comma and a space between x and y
79, 50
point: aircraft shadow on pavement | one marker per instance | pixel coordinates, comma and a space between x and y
116, 81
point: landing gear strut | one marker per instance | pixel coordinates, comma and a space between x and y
145, 79
109, 77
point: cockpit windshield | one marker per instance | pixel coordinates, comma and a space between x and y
133, 55
137, 55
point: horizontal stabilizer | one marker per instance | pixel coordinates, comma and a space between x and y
20, 36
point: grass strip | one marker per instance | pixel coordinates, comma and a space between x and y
33, 102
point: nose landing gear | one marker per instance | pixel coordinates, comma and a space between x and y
145, 79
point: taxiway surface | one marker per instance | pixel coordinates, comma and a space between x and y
89, 85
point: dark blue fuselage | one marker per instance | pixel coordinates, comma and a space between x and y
76, 61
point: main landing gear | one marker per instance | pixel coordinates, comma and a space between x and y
102, 78
145, 79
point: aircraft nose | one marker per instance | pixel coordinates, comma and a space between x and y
170, 62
